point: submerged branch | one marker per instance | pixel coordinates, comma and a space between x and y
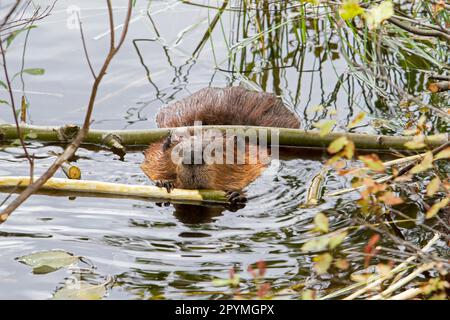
287, 137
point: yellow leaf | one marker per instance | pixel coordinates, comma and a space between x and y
349, 150
308, 295
337, 145
376, 15
444, 154
433, 186
436, 207
325, 127
416, 143
315, 2
321, 222
317, 244
336, 240
384, 270
350, 9
361, 277
372, 162
317, 108
356, 120
425, 164
322, 263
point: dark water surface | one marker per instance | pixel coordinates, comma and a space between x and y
154, 251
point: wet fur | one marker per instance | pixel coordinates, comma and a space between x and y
214, 106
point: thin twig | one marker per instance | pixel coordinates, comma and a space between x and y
72, 148
13, 107
85, 48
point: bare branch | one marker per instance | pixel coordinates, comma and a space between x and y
72, 148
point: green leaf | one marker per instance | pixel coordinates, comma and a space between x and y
376, 15
14, 34
3, 85
4, 102
48, 261
81, 291
321, 222
350, 9
322, 263
32, 71
16, 142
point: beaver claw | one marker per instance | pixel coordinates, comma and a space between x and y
237, 201
165, 184
236, 197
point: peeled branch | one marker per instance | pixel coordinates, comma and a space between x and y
118, 189
439, 86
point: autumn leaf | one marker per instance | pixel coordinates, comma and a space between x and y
372, 162
317, 108
356, 120
416, 143
370, 249
337, 145
322, 263
444, 154
384, 270
261, 265
317, 244
425, 164
321, 222
308, 295
436, 207
390, 199
325, 127
350, 9
342, 264
349, 150
332, 160
336, 240
433, 186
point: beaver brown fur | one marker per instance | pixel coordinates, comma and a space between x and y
214, 106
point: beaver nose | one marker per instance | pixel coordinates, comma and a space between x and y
195, 156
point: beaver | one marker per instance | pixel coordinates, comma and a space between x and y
214, 106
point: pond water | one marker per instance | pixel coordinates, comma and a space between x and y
157, 251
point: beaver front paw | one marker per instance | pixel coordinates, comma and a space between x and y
168, 184
236, 197
237, 201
